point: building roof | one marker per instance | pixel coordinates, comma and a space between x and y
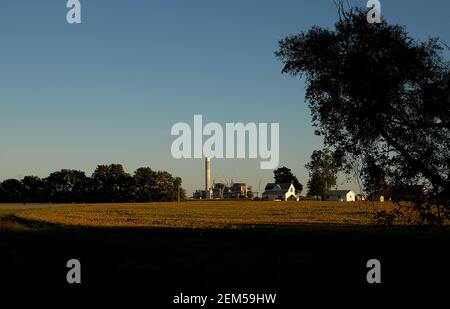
269, 186
337, 192
283, 187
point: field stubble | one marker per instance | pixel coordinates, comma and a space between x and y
207, 214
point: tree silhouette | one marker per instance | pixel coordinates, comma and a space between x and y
11, 191
66, 186
325, 164
285, 175
380, 97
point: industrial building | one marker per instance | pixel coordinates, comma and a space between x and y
221, 190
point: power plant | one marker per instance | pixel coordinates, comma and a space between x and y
239, 190
221, 190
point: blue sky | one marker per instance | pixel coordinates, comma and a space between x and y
110, 89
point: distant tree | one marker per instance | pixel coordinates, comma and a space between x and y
112, 184
127, 189
178, 185
33, 189
325, 164
11, 191
317, 185
167, 187
66, 186
145, 184
285, 175
380, 97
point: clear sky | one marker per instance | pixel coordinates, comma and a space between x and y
110, 89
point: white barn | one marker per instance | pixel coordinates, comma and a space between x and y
340, 195
280, 191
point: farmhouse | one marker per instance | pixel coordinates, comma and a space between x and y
340, 195
280, 191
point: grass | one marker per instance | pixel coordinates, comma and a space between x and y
202, 214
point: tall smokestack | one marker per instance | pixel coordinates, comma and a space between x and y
208, 178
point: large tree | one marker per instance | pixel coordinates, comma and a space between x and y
33, 189
285, 175
11, 191
316, 185
112, 184
167, 186
66, 186
145, 184
379, 96
327, 164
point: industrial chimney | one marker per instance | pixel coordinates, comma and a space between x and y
207, 178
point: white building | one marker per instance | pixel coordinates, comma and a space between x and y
280, 191
340, 195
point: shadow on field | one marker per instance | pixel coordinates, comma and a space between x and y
301, 256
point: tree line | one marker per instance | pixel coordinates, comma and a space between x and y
108, 184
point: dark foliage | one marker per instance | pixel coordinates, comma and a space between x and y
380, 97
285, 175
323, 169
109, 183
